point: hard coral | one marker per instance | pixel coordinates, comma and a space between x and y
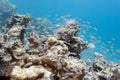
12, 39
49, 58
68, 34
31, 73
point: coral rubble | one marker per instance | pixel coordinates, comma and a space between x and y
37, 57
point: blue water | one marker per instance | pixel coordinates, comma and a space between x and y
101, 14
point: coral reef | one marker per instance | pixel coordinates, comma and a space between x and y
12, 39
68, 34
37, 57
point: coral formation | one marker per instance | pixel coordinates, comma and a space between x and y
37, 57
68, 34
